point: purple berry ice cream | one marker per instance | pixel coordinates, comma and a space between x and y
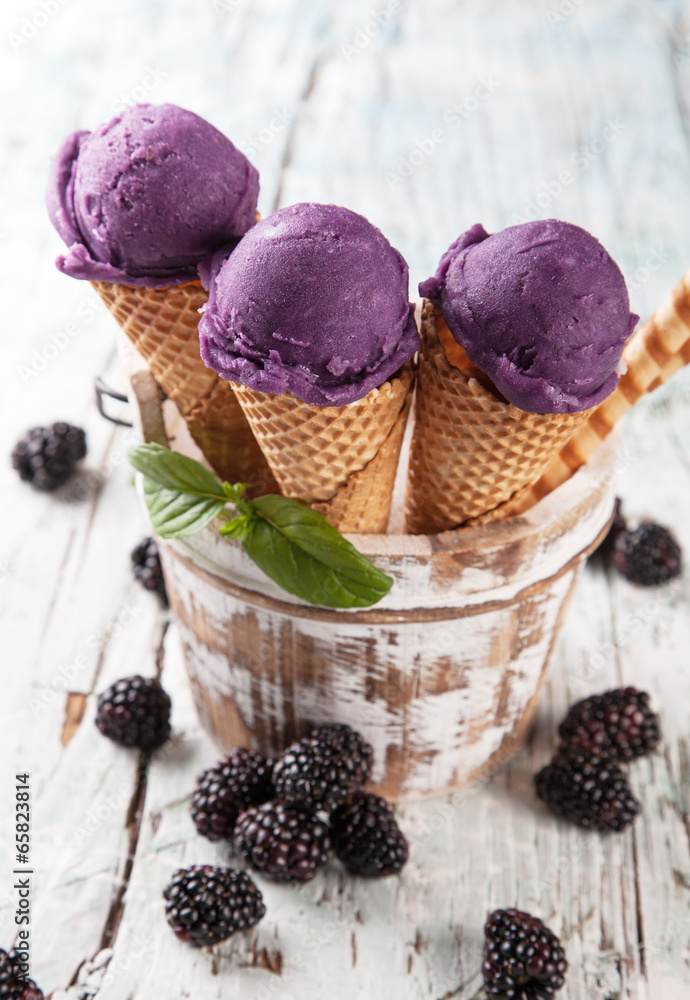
147, 196
540, 308
314, 301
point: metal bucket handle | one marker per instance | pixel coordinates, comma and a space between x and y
103, 389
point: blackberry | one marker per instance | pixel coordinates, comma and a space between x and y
619, 722
47, 456
324, 769
146, 564
648, 555
366, 837
205, 905
135, 712
588, 789
14, 985
523, 959
222, 792
284, 843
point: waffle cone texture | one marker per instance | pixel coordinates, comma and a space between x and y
657, 349
162, 324
471, 451
341, 460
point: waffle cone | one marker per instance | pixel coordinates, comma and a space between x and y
220, 428
341, 460
655, 352
470, 450
364, 503
163, 325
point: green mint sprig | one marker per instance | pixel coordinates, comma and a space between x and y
293, 545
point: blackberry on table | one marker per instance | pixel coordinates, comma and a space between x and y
205, 905
588, 789
146, 564
619, 722
14, 985
46, 457
649, 555
523, 959
135, 712
234, 783
324, 769
284, 843
367, 838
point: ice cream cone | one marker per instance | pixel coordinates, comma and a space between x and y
364, 503
655, 352
220, 428
339, 459
162, 324
471, 450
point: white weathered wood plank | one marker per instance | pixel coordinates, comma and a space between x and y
63, 569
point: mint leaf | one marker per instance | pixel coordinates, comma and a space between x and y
234, 493
182, 496
292, 544
177, 515
237, 527
176, 472
306, 556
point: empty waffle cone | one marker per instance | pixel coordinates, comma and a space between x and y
341, 460
655, 352
163, 325
471, 450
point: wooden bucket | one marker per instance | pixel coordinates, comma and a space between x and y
442, 676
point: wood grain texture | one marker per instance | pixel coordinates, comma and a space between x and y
71, 618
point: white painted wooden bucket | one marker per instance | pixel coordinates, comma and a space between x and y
442, 676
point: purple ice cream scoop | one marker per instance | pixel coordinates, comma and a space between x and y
314, 300
541, 308
144, 198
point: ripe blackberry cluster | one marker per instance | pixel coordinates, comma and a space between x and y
320, 776
523, 959
588, 789
146, 565
283, 819
647, 554
619, 722
366, 837
324, 769
13, 983
284, 843
205, 905
46, 457
585, 783
222, 792
135, 712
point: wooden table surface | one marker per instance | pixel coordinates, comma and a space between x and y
435, 116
